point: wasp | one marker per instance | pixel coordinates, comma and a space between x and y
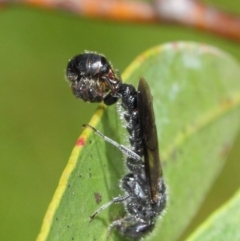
93, 79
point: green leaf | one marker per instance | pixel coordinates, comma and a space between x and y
196, 93
222, 225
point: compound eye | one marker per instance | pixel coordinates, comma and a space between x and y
105, 66
95, 68
76, 68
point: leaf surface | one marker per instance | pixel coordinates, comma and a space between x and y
196, 92
222, 225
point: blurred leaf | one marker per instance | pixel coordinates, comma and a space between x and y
221, 225
196, 101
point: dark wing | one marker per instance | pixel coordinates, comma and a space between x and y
150, 141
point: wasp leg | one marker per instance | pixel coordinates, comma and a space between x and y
114, 200
122, 148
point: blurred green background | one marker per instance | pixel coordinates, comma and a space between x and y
40, 119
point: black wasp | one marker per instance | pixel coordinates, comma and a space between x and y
93, 79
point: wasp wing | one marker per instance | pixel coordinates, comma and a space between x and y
150, 141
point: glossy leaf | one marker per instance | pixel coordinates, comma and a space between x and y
196, 93
221, 225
